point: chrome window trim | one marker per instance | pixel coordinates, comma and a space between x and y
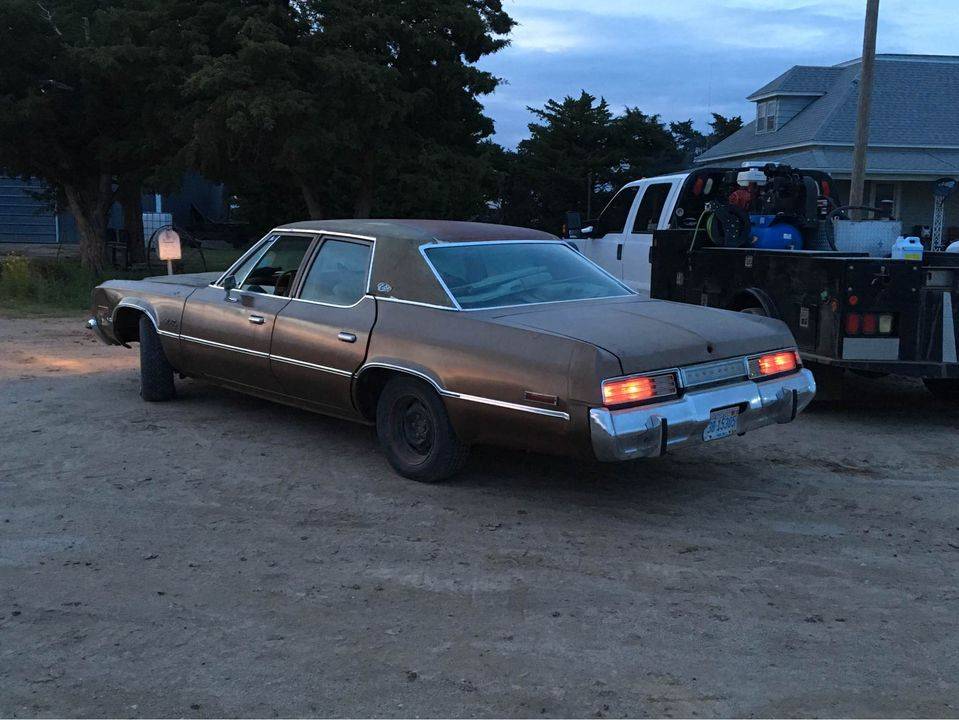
369, 270
467, 398
273, 236
412, 302
242, 259
434, 244
331, 305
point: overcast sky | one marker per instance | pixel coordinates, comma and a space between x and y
686, 58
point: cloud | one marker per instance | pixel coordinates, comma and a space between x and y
686, 58
545, 35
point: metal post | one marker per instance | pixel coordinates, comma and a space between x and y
169, 267
867, 72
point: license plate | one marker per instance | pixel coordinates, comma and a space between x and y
722, 423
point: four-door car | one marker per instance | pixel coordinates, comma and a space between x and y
450, 334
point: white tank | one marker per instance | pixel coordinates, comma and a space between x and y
907, 248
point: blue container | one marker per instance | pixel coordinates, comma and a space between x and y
771, 235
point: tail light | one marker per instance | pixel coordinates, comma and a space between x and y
770, 364
869, 324
637, 389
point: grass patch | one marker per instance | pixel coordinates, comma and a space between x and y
42, 286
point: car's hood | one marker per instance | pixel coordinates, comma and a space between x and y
652, 334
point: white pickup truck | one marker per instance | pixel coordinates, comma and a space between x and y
765, 239
620, 238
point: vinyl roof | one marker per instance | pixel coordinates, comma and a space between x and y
422, 231
399, 269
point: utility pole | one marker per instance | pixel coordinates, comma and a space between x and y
867, 72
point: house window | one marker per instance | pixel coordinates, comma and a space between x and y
766, 112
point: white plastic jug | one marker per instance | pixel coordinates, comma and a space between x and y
907, 248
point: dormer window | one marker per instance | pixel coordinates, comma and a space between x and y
766, 113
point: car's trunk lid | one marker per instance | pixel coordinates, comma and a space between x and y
653, 334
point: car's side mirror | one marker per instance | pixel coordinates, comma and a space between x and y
229, 283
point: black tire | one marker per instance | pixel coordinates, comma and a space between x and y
414, 431
156, 373
944, 389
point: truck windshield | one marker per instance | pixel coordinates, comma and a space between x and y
495, 274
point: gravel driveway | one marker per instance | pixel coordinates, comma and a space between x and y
214, 556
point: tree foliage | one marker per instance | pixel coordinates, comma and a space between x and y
579, 153
320, 108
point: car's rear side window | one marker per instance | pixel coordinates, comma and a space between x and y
339, 274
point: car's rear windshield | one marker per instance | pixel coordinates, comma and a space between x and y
495, 274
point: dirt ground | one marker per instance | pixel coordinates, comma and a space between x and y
214, 557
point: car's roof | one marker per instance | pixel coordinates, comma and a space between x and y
422, 231
399, 270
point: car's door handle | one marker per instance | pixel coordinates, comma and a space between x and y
347, 337
256, 319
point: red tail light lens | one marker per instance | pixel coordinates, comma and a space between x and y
870, 324
853, 323
775, 363
638, 389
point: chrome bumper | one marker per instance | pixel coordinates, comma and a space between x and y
651, 430
93, 325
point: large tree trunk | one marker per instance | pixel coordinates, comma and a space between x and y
313, 206
131, 192
90, 211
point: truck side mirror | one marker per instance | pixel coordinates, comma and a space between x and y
574, 225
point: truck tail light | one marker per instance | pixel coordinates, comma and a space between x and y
853, 323
777, 363
637, 389
869, 324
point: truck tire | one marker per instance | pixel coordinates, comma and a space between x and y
156, 373
945, 389
414, 431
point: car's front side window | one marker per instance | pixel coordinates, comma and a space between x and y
495, 274
339, 274
274, 272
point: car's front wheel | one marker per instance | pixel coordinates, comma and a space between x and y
156, 373
415, 431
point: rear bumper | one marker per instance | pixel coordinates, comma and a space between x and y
651, 430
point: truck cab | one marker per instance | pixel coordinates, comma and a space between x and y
620, 238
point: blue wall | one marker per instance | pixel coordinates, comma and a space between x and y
26, 219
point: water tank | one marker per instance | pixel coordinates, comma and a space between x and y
769, 234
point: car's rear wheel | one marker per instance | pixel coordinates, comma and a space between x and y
945, 389
156, 373
415, 431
